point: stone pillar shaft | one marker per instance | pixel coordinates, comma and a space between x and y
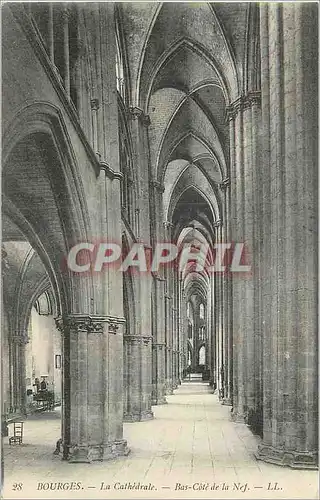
66, 52
138, 398
159, 387
227, 293
218, 319
19, 395
143, 367
290, 391
158, 347
92, 410
244, 126
159, 308
169, 318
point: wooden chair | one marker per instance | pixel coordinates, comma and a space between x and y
17, 433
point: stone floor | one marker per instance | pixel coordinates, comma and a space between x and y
190, 450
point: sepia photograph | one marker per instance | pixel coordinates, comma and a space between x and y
159, 250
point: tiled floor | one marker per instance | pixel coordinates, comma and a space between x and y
190, 450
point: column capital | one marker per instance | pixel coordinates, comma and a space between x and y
89, 324
167, 224
138, 339
66, 12
243, 102
95, 104
224, 184
137, 113
112, 174
115, 324
252, 98
157, 186
20, 339
158, 345
217, 223
157, 277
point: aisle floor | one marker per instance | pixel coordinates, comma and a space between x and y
191, 449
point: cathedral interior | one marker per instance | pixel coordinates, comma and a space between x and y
190, 123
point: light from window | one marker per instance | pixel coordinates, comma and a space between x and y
119, 70
201, 312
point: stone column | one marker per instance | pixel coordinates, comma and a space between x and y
221, 307
213, 332
137, 353
66, 49
289, 275
18, 357
175, 330
174, 349
245, 122
168, 364
168, 316
139, 132
251, 111
158, 346
159, 387
209, 331
218, 318
227, 294
159, 337
236, 161
181, 328
91, 410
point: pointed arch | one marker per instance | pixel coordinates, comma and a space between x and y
190, 133
251, 63
39, 134
158, 8
198, 49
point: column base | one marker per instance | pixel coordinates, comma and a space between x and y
169, 388
159, 401
158, 395
240, 418
226, 402
138, 417
93, 453
287, 458
255, 420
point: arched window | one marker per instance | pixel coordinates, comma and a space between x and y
188, 310
119, 68
189, 356
201, 311
126, 185
201, 333
189, 330
202, 355
56, 25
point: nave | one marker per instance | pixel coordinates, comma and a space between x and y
188, 124
191, 441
